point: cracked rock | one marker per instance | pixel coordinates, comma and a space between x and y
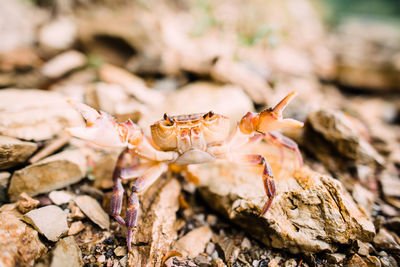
54, 172
310, 213
13, 152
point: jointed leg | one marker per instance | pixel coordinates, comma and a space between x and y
282, 141
268, 177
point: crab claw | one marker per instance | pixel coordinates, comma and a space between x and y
101, 128
271, 119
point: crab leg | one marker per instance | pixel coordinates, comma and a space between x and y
138, 186
267, 175
282, 141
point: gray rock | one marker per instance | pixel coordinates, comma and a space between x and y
54, 172
311, 212
93, 210
50, 221
13, 152
333, 138
66, 253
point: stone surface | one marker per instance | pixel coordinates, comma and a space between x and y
387, 241
334, 138
356, 261
194, 242
75, 228
4, 178
63, 63
66, 253
19, 244
311, 212
13, 152
59, 34
60, 197
93, 210
51, 221
35, 114
54, 172
390, 184
25, 203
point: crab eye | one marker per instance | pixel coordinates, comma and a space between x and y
168, 121
208, 115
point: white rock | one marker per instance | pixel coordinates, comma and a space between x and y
59, 34
93, 210
63, 63
51, 221
60, 197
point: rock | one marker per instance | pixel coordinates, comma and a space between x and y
356, 261
63, 63
311, 212
364, 248
103, 168
373, 261
227, 249
178, 261
13, 152
333, 138
387, 241
19, 244
390, 184
120, 251
335, 258
76, 212
75, 228
54, 172
60, 197
58, 35
66, 253
246, 244
364, 197
393, 224
50, 221
4, 178
93, 210
25, 203
37, 115
194, 242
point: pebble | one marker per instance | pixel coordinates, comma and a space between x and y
212, 220
51, 221
4, 178
246, 244
91, 208
75, 228
63, 63
13, 152
25, 203
123, 261
59, 34
60, 197
101, 259
210, 248
193, 242
255, 263
76, 212
120, 251
66, 253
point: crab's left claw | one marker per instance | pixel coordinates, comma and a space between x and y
271, 119
101, 128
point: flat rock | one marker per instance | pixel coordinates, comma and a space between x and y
50, 221
311, 212
54, 172
19, 244
13, 152
66, 253
334, 138
194, 242
60, 197
33, 114
63, 63
93, 210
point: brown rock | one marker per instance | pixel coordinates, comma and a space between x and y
35, 114
93, 210
60, 197
387, 240
58, 35
4, 178
194, 242
76, 212
25, 203
19, 244
334, 139
51, 221
51, 173
75, 228
13, 152
66, 253
356, 261
390, 184
311, 212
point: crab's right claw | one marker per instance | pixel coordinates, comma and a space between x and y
271, 119
101, 128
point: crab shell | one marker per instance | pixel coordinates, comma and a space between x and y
198, 130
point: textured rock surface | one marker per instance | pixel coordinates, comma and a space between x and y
19, 244
25, 203
51, 173
14, 152
334, 138
66, 254
93, 210
194, 242
311, 212
51, 221
35, 114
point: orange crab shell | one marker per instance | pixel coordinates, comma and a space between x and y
208, 127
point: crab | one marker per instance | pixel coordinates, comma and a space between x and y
182, 140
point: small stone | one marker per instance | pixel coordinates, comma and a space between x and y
63, 63
212, 220
25, 203
60, 197
93, 210
387, 241
364, 248
393, 224
66, 253
202, 260
356, 261
123, 261
4, 178
218, 263
76, 212
120, 251
75, 228
290, 263
19, 243
13, 152
388, 261
101, 259
59, 34
210, 248
194, 242
255, 263
51, 221
373, 261
390, 184
246, 244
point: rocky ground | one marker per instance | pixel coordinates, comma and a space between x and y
139, 60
